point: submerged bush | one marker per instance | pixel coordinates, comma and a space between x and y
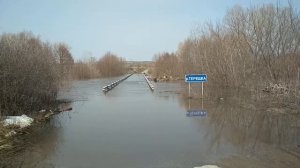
29, 73
85, 70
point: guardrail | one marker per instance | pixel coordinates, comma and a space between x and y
151, 86
114, 84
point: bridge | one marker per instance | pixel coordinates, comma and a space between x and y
109, 87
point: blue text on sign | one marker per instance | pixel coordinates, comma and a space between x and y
196, 78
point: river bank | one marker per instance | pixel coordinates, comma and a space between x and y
15, 139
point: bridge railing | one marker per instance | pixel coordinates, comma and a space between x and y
151, 86
114, 84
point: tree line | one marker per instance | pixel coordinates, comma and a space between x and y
32, 71
108, 65
252, 47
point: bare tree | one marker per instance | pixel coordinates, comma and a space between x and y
111, 65
29, 73
251, 48
65, 60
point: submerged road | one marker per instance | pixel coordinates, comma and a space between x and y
129, 127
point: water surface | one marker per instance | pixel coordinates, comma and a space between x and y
133, 127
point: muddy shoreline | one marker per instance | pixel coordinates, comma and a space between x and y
15, 141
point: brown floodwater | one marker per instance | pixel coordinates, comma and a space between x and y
133, 127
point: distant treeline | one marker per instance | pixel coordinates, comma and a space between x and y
252, 47
32, 71
107, 66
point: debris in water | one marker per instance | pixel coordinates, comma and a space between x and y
42, 111
11, 133
5, 146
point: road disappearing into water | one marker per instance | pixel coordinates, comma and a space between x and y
133, 127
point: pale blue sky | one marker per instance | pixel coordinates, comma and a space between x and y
133, 29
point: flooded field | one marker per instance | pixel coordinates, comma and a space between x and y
133, 127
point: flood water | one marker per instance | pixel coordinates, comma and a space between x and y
133, 127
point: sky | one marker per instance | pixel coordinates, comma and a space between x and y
133, 29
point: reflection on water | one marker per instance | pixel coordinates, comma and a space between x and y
133, 127
251, 127
196, 111
42, 144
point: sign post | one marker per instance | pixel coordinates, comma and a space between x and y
189, 90
202, 90
196, 78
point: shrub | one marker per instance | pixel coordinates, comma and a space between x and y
111, 65
85, 70
29, 73
251, 48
